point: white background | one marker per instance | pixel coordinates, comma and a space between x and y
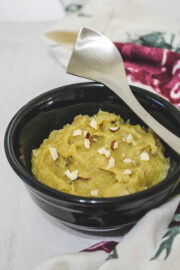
30, 10
50, 10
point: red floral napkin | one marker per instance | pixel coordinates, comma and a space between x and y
154, 67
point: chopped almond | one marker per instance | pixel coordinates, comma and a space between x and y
94, 192
114, 129
103, 151
34, 152
87, 143
87, 135
93, 139
71, 175
144, 156
114, 145
83, 178
128, 172
129, 139
77, 132
127, 160
93, 124
53, 152
85, 132
111, 163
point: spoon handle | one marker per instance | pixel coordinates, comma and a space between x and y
171, 139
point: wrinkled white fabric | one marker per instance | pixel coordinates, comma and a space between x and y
134, 251
117, 19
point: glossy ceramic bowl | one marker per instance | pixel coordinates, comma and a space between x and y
52, 110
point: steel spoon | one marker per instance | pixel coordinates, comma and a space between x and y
95, 57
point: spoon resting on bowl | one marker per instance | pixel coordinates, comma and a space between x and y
96, 58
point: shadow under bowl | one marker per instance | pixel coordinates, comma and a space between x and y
55, 108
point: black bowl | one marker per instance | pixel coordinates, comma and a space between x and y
57, 107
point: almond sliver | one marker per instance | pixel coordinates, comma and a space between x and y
72, 175
127, 160
111, 163
129, 138
94, 192
128, 172
114, 129
114, 145
144, 156
93, 124
77, 132
53, 152
103, 151
87, 143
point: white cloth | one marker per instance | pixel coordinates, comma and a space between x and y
120, 20
135, 251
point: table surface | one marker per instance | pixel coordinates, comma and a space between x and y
27, 236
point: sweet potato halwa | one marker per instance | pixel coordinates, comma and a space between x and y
100, 156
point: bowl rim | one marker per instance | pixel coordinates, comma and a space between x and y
59, 195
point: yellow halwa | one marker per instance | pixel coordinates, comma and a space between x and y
100, 156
